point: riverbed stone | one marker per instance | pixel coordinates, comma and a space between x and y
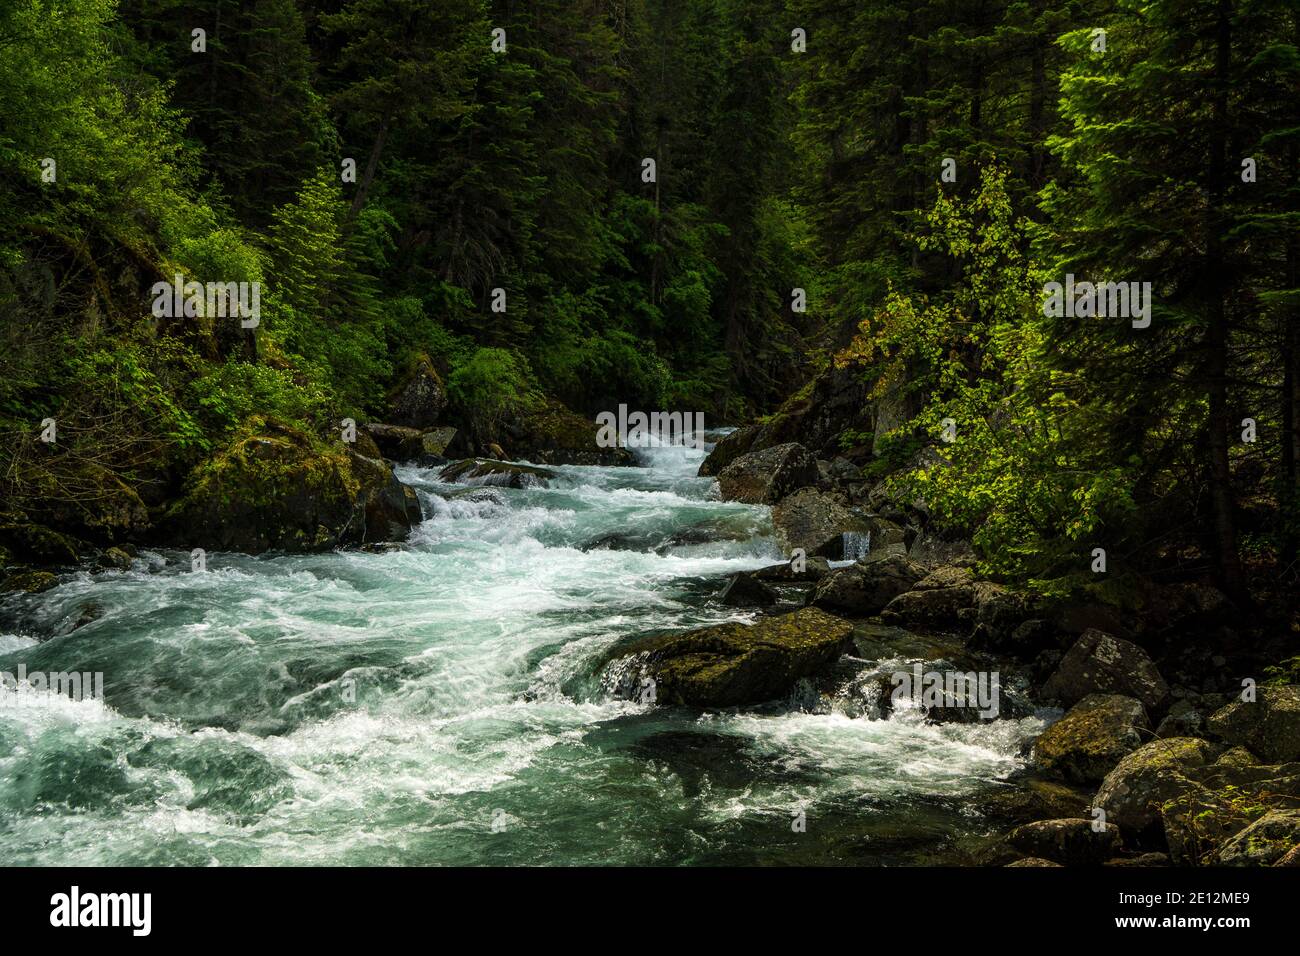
745, 590
420, 398
733, 664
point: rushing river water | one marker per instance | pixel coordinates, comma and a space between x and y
441, 704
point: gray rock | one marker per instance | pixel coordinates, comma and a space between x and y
1269, 726
1067, 842
744, 590
816, 522
1101, 664
1264, 842
767, 476
865, 587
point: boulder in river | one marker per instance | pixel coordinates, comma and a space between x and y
816, 522
745, 590
814, 569
393, 441
1084, 745
275, 487
505, 474
767, 476
865, 587
1099, 663
733, 664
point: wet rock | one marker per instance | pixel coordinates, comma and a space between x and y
1034, 799
1085, 744
744, 590
767, 476
1068, 842
502, 474
29, 582
865, 587
816, 522
113, 559
935, 600
419, 401
814, 569
1099, 663
547, 431
1269, 726
732, 664
728, 449
1133, 792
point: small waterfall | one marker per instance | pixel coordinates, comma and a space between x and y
856, 544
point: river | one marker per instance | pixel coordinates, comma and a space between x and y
441, 703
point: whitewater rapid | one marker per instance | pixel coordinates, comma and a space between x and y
440, 703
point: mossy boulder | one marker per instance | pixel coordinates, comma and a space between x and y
1264, 842
486, 471
1221, 800
393, 441
1268, 726
1134, 791
29, 582
733, 664
815, 522
745, 590
91, 502
1084, 745
547, 431
275, 487
32, 543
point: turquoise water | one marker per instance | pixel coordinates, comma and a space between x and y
441, 704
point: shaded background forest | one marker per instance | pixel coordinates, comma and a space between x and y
777, 170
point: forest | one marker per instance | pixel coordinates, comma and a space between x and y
881, 186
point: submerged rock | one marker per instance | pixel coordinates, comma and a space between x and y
732, 664
1085, 744
486, 471
767, 476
